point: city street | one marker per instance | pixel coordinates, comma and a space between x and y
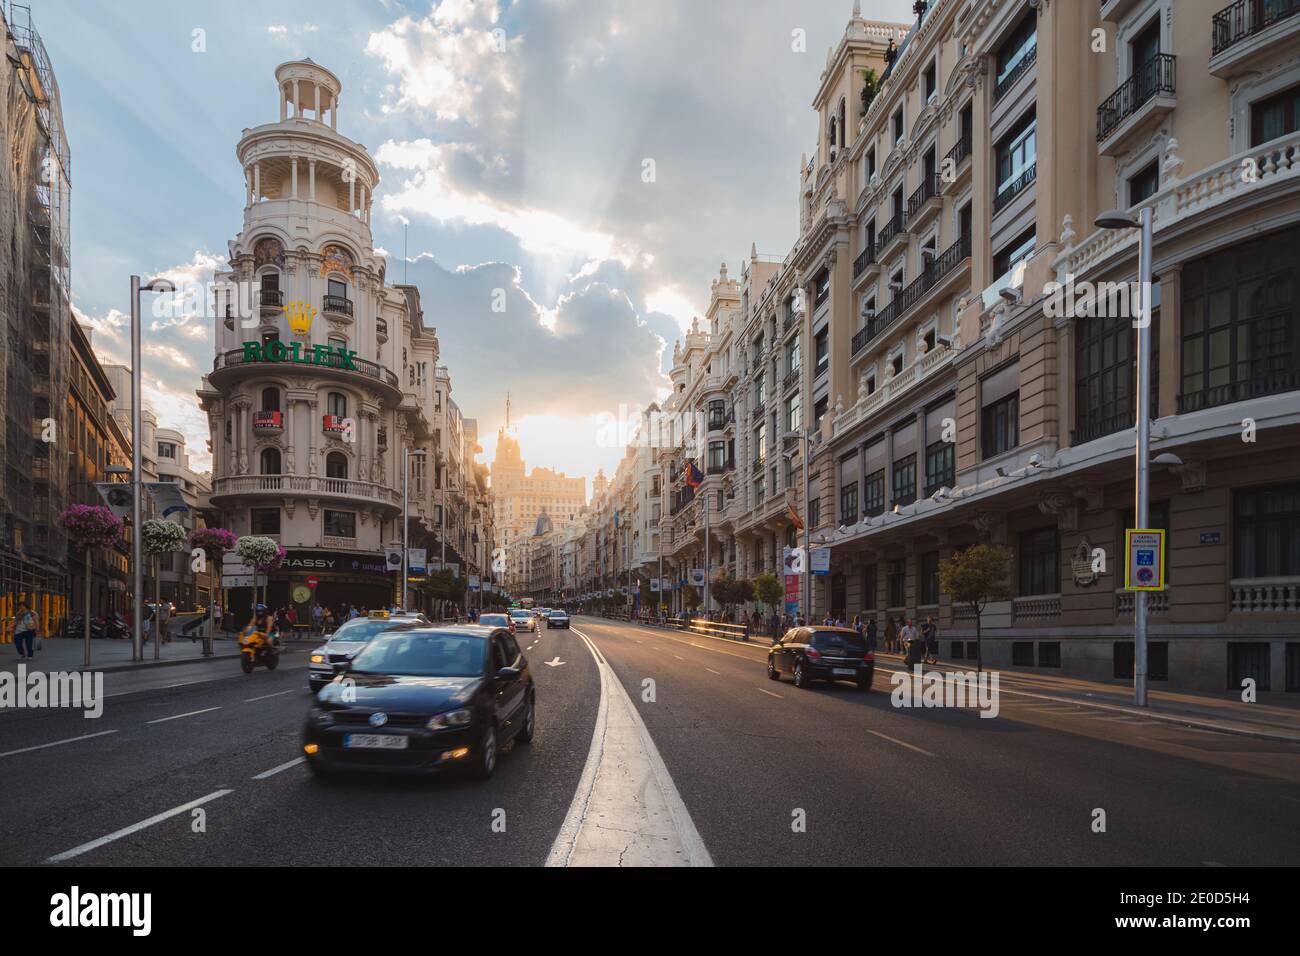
749, 758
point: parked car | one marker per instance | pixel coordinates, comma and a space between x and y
822, 653
424, 699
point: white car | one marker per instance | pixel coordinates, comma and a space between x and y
350, 637
523, 618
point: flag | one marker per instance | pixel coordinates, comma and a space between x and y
693, 475
794, 515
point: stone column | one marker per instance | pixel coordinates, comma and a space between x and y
284, 102
334, 113
313, 427
311, 179
248, 187
297, 100
293, 176
257, 183
316, 86
352, 195
289, 435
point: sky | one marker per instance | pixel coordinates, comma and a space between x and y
596, 160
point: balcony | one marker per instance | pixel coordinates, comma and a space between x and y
1257, 386
1140, 102
1036, 609
864, 259
892, 231
930, 276
1090, 427
306, 486
1014, 188
268, 423
956, 158
256, 360
791, 379
718, 468
758, 412
337, 305
1264, 595
1247, 31
1020, 69
924, 201
270, 301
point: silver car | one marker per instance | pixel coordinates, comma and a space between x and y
350, 637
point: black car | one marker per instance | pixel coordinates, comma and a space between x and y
423, 699
822, 653
557, 619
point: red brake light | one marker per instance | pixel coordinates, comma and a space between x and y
813, 653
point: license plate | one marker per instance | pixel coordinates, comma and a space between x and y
375, 741
846, 671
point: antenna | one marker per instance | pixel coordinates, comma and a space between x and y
507, 412
406, 250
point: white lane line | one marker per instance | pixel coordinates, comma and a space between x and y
192, 713
57, 743
284, 766
769, 693
626, 810
712, 671
136, 827
680, 658
249, 700
901, 743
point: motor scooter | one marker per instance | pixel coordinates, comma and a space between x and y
258, 648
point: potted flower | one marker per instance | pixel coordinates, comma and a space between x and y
260, 553
89, 527
214, 543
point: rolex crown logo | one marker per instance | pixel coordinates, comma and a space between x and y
299, 315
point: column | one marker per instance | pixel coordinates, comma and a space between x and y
248, 186
293, 177
334, 112
1170, 335
352, 195
311, 179
316, 87
297, 100
257, 182
284, 102
290, 435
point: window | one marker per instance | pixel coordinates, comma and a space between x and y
794, 358
849, 504
929, 85
1266, 531
336, 465
165, 448
823, 288
928, 569
1105, 371
1016, 155
1022, 653
1144, 183
819, 412
337, 288
717, 456
873, 494
760, 390
822, 345
1000, 425
341, 524
265, 520
717, 414
1049, 653
1040, 562
897, 582
940, 466
270, 461
1019, 47
814, 512
270, 399
905, 480
793, 414
1274, 117
1018, 248
337, 403
896, 363
871, 163
898, 125
1240, 317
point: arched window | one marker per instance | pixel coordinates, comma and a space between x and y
270, 461
338, 342
337, 403
336, 465
270, 399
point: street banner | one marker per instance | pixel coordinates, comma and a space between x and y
393, 559
654, 585
697, 577
1144, 565
820, 561
117, 497
415, 559
167, 496
792, 593
473, 582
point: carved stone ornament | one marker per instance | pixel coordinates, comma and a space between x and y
1081, 566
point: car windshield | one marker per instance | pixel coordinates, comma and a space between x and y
558, 614
494, 620
519, 613
362, 629
837, 641
422, 654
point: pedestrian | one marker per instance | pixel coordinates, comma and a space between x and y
24, 628
907, 635
216, 616
291, 615
871, 634
317, 618
891, 634
353, 613
327, 622
930, 631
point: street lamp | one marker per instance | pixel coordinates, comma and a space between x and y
137, 539
806, 440
1119, 219
407, 455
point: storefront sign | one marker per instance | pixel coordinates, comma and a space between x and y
297, 352
336, 561
1145, 564
1211, 537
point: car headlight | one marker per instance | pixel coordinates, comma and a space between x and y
452, 718
318, 658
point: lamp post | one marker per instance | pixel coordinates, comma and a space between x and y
137, 541
1118, 219
805, 439
407, 455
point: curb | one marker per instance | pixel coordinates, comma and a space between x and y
165, 662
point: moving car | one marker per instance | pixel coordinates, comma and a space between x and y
347, 639
421, 699
557, 618
523, 618
497, 620
822, 653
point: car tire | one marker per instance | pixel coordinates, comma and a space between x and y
800, 679
772, 672
485, 755
318, 769
529, 728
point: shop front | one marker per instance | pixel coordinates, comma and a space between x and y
309, 576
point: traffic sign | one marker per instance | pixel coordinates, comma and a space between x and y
1144, 567
313, 581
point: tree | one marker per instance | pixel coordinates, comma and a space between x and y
691, 597
768, 589
975, 576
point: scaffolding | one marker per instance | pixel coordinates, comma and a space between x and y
35, 299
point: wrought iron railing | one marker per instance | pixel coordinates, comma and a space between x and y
930, 276
1245, 18
864, 259
337, 303
1155, 76
1258, 385
928, 190
1019, 70
895, 227
1015, 187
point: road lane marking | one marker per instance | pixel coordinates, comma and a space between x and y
249, 700
679, 657
284, 766
626, 810
769, 693
712, 671
901, 743
57, 743
136, 827
192, 713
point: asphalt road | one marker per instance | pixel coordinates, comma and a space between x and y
750, 758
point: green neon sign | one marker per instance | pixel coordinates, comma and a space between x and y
294, 352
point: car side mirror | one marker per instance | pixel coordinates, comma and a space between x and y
509, 674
